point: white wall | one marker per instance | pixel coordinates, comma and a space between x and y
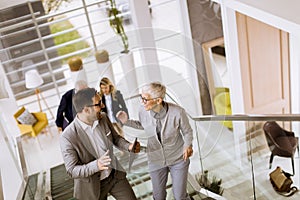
10, 170
9, 159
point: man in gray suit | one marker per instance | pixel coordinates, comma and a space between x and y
87, 149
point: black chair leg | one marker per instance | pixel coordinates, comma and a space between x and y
293, 165
271, 160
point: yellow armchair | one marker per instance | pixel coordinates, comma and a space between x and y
223, 106
35, 129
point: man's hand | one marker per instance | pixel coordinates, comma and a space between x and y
137, 147
187, 153
59, 129
122, 116
104, 161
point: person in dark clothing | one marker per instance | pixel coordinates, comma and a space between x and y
66, 112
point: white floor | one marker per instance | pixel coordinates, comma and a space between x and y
43, 152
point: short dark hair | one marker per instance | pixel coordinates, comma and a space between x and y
83, 98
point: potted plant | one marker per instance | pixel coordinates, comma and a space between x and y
126, 57
104, 64
76, 69
212, 184
116, 22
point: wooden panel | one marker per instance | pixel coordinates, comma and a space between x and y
208, 61
265, 64
264, 60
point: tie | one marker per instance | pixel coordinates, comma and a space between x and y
158, 129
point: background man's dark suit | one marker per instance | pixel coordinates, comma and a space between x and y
65, 109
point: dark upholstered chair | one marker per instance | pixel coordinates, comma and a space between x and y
281, 142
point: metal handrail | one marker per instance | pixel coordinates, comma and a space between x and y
237, 117
250, 117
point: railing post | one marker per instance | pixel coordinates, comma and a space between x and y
89, 24
43, 46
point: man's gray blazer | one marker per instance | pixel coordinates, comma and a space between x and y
81, 159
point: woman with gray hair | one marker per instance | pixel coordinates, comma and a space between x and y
169, 143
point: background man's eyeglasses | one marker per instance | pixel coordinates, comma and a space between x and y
97, 105
144, 100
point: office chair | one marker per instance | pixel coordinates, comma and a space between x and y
281, 142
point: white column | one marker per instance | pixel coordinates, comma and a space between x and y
106, 70
128, 66
104, 65
189, 53
8, 107
295, 76
78, 75
234, 71
142, 21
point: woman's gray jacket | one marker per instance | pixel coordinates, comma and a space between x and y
176, 135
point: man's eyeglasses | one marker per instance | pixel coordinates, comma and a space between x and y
144, 100
97, 105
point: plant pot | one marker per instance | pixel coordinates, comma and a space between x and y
78, 75
75, 63
106, 70
129, 75
104, 65
102, 56
210, 183
128, 67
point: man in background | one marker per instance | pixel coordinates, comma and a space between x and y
65, 112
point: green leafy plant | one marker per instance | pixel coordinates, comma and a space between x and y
212, 184
116, 22
53, 5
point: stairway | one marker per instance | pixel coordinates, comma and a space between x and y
55, 184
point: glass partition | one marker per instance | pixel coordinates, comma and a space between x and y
239, 158
226, 164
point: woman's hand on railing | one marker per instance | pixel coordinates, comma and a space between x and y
122, 116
